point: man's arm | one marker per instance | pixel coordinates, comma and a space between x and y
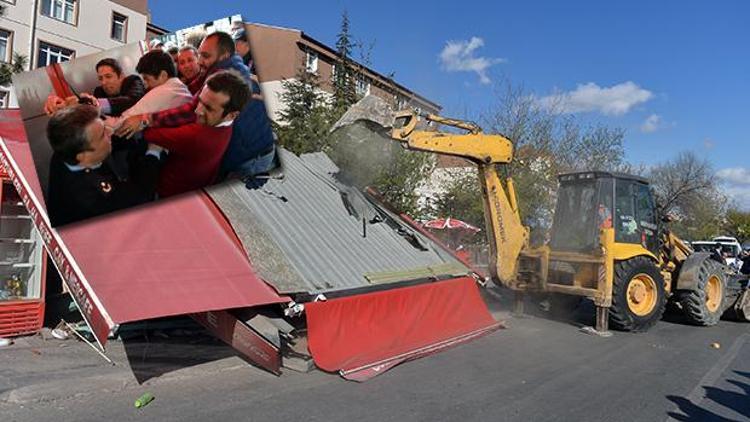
178, 116
175, 139
144, 176
173, 117
132, 90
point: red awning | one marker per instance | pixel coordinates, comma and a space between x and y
170, 257
364, 335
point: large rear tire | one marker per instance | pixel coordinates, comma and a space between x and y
638, 296
705, 305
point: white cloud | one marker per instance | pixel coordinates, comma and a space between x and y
651, 124
708, 143
458, 56
736, 181
614, 101
735, 175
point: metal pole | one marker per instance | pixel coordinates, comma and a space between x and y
32, 33
602, 319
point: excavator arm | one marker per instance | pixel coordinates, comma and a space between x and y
506, 234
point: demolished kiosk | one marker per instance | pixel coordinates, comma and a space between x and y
373, 288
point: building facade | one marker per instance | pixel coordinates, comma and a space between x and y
279, 53
51, 31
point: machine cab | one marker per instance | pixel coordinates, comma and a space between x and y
590, 201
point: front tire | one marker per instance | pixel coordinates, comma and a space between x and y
705, 305
638, 296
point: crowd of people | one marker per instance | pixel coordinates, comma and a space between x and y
185, 121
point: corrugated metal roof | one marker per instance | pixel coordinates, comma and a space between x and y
302, 237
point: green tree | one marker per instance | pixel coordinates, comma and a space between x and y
344, 89
398, 180
17, 65
304, 120
737, 224
462, 198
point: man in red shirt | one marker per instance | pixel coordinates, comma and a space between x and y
196, 149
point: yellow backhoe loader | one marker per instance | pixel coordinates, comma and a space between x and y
607, 242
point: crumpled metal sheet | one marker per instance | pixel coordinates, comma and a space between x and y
301, 236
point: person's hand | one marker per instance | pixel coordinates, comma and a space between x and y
53, 104
129, 127
91, 100
71, 101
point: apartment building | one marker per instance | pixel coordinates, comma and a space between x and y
280, 52
51, 31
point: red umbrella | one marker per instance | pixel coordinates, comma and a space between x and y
450, 223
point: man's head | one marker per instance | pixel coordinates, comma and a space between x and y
187, 62
241, 42
215, 47
155, 67
109, 73
78, 136
224, 95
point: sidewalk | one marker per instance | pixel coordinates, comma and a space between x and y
35, 369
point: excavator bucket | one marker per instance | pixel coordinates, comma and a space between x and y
740, 310
370, 109
360, 142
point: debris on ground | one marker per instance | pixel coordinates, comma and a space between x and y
716, 345
5, 342
143, 400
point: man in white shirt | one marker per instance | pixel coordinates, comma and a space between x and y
164, 90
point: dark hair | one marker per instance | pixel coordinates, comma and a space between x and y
66, 131
173, 50
114, 64
230, 83
153, 62
224, 42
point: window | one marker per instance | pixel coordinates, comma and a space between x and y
645, 207
5, 45
362, 86
311, 62
3, 99
64, 10
119, 27
49, 54
401, 103
626, 222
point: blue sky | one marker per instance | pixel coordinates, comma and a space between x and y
674, 74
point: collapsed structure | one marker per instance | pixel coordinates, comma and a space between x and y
374, 290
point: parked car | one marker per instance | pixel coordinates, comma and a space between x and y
728, 247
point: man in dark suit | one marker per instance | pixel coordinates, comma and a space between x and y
115, 93
82, 181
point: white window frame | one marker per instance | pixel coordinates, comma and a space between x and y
56, 9
4, 98
6, 58
123, 23
362, 85
59, 54
311, 61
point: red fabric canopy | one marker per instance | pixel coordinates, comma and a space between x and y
450, 223
364, 335
167, 258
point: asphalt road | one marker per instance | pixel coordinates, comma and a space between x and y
536, 370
